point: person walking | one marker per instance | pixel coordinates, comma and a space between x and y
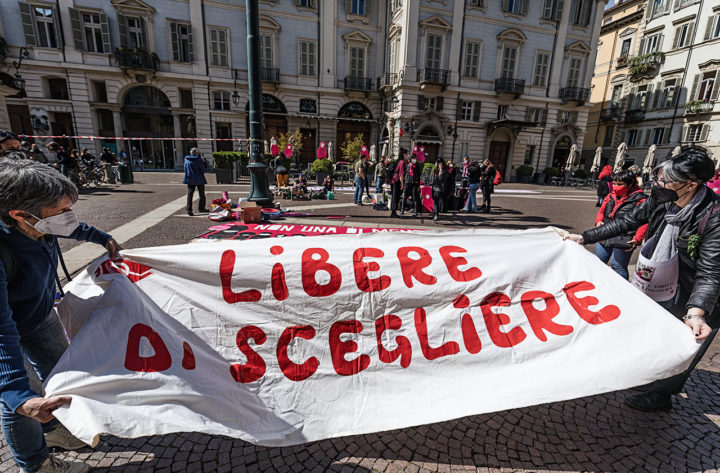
487, 184
474, 175
397, 181
604, 185
683, 218
64, 160
281, 172
624, 198
86, 157
35, 209
441, 177
360, 180
195, 178
380, 170
108, 160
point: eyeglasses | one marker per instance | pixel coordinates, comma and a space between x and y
658, 181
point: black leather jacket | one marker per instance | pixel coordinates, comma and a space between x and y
699, 280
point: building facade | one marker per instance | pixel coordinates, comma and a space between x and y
619, 35
672, 82
504, 79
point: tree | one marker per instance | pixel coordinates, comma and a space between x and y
296, 139
351, 147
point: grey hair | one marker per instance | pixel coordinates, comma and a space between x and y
29, 186
192, 150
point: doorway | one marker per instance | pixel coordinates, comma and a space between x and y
153, 154
307, 154
498, 155
432, 151
561, 153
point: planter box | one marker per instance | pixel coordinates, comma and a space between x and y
524, 179
223, 176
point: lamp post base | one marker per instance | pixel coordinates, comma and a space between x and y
259, 188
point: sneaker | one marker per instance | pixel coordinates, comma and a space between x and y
650, 401
62, 438
190, 213
53, 464
435, 218
206, 211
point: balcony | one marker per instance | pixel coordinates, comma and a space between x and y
358, 83
506, 85
699, 106
575, 94
622, 61
270, 74
646, 65
635, 115
388, 79
429, 75
138, 59
612, 112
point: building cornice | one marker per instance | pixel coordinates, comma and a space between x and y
633, 18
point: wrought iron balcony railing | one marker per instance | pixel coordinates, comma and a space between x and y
388, 79
699, 106
635, 115
136, 59
358, 83
429, 75
509, 85
577, 94
270, 74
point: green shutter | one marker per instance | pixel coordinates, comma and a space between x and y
76, 25
693, 91
524, 7
190, 45
506, 5
143, 34
458, 110
105, 33
704, 133
175, 41
477, 105
123, 31
677, 38
716, 87
708, 28
27, 23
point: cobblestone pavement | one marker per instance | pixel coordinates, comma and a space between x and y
594, 434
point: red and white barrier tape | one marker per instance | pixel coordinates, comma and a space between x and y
125, 138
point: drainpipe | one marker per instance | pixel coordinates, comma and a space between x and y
67, 74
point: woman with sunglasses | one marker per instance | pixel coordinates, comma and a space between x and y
683, 218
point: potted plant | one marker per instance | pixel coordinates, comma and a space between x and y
581, 174
549, 173
321, 168
223, 161
524, 173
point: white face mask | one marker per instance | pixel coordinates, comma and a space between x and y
414, 161
61, 224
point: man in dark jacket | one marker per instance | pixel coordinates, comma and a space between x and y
64, 159
10, 146
35, 208
195, 178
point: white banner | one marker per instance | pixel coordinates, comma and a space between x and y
287, 340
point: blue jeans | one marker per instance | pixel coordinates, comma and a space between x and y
379, 185
619, 258
43, 347
359, 188
471, 205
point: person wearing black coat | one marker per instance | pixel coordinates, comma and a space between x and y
604, 186
679, 206
487, 184
441, 177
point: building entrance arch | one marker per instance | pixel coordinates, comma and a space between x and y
500, 150
354, 119
146, 114
561, 152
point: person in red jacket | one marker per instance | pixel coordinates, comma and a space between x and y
623, 199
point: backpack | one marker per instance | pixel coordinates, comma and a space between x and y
498, 179
8, 260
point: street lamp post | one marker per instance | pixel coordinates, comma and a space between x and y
452, 130
259, 190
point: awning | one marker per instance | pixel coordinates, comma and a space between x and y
514, 125
329, 117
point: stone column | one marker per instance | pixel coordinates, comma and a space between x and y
328, 43
559, 52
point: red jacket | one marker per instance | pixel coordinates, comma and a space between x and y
613, 207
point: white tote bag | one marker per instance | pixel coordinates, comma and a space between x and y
657, 279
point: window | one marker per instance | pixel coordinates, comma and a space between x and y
221, 101
470, 110
609, 135
477, 3
472, 59
529, 155
518, 7
135, 28
537, 115
100, 91
668, 94
186, 98
651, 44
684, 3
45, 27
695, 133
357, 62
502, 112
308, 58
305, 3
616, 96
106, 124
266, 51
395, 5
394, 46
567, 117
625, 48
434, 51
683, 34
552, 10
218, 47
707, 82
92, 29
713, 27
574, 70
583, 12
357, 7
58, 89
542, 60
308, 106
223, 131
657, 136
508, 62
182, 46
430, 103
658, 7
640, 95
631, 139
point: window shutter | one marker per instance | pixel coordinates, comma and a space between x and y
660, 42
506, 5
559, 9
348, 6
27, 24
143, 32
716, 87
524, 7
666, 137
76, 25
477, 105
693, 91
547, 10
677, 38
648, 136
123, 30
685, 130
421, 102
367, 7
677, 4
641, 49
649, 10
704, 133
191, 53
708, 29
439, 104
648, 97
105, 28
175, 41
689, 37
573, 10
658, 95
